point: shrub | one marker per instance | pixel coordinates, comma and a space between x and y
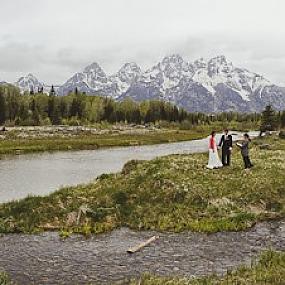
282, 134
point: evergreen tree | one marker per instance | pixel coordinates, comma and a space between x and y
269, 121
56, 118
108, 110
63, 108
32, 90
282, 120
51, 106
35, 113
52, 91
2, 109
74, 108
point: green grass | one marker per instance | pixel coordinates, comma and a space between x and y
270, 270
4, 279
171, 193
14, 145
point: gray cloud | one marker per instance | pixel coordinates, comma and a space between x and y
53, 39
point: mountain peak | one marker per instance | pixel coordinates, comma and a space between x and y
200, 63
27, 77
29, 82
132, 65
93, 67
219, 58
172, 58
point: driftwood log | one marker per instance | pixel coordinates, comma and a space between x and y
142, 245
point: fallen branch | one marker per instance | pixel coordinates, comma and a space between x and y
142, 245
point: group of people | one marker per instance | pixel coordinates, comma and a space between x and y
226, 144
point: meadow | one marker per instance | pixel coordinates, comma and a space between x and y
171, 193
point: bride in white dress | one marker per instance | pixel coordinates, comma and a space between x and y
214, 160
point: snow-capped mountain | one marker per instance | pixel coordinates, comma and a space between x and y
201, 86
206, 86
93, 80
125, 77
29, 83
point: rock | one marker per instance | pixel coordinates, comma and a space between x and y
71, 219
221, 202
264, 146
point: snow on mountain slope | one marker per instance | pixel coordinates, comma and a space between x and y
217, 82
29, 83
91, 80
167, 73
204, 85
219, 70
125, 77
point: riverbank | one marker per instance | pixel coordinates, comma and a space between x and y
38, 139
269, 269
171, 193
29, 139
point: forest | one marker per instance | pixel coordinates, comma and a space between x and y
80, 109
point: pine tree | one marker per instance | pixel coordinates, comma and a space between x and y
52, 91
282, 119
51, 106
35, 113
269, 121
56, 118
32, 90
2, 109
74, 108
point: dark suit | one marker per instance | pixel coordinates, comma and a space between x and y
226, 143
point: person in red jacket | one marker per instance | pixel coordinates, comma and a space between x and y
214, 160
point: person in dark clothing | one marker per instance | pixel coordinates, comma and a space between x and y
226, 142
245, 151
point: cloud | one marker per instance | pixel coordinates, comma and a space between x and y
53, 39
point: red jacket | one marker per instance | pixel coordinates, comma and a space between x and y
212, 143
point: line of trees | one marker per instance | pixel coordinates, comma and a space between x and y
272, 120
78, 108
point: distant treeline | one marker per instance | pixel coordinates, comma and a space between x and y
78, 108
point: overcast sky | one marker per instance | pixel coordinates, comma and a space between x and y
55, 38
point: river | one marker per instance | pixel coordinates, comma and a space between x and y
102, 259
43, 173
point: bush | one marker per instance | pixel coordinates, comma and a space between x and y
282, 135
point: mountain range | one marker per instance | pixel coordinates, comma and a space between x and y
213, 85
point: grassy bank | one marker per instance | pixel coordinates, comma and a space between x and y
171, 193
4, 279
12, 144
18, 140
270, 269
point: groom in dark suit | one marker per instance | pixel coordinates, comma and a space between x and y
226, 143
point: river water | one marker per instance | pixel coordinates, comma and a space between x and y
102, 259
41, 174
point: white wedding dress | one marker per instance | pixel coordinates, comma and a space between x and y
214, 159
